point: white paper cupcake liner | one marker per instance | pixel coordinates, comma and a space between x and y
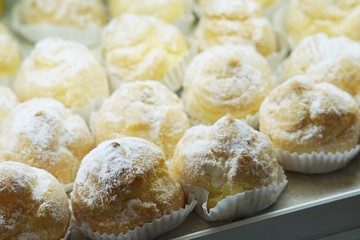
36, 32
282, 52
86, 111
68, 187
174, 78
235, 206
278, 22
186, 23
315, 162
148, 230
67, 233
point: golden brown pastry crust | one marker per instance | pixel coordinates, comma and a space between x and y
226, 158
335, 60
145, 109
64, 70
44, 134
303, 116
33, 204
225, 80
229, 22
124, 183
80, 14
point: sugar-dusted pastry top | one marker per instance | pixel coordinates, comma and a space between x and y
303, 116
145, 109
44, 134
224, 80
64, 70
80, 14
226, 158
335, 60
230, 22
332, 17
141, 47
33, 204
167, 10
8, 100
10, 53
124, 183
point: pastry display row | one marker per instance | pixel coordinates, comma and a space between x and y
119, 119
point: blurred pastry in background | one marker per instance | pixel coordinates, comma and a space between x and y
263, 3
327, 59
64, 70
167, 10
233, 22
79, 14
141, 47
223, 80
10, 53
332, 17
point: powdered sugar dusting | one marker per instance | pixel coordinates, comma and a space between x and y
334, 60
115, 164
19, 180
301, 112
54, 57
224, 80
224, 150
142, 108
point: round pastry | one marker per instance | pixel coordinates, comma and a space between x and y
141, 47
63, 70
168, 10
335, 60
303, 116
226, 158
80, 14
10, 54
145, 109
33, 204
44, 134
125, 180
224, 80
233, 22
335, 18
8, 100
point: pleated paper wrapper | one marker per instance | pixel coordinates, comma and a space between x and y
316, 162
148, 230
236, 206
